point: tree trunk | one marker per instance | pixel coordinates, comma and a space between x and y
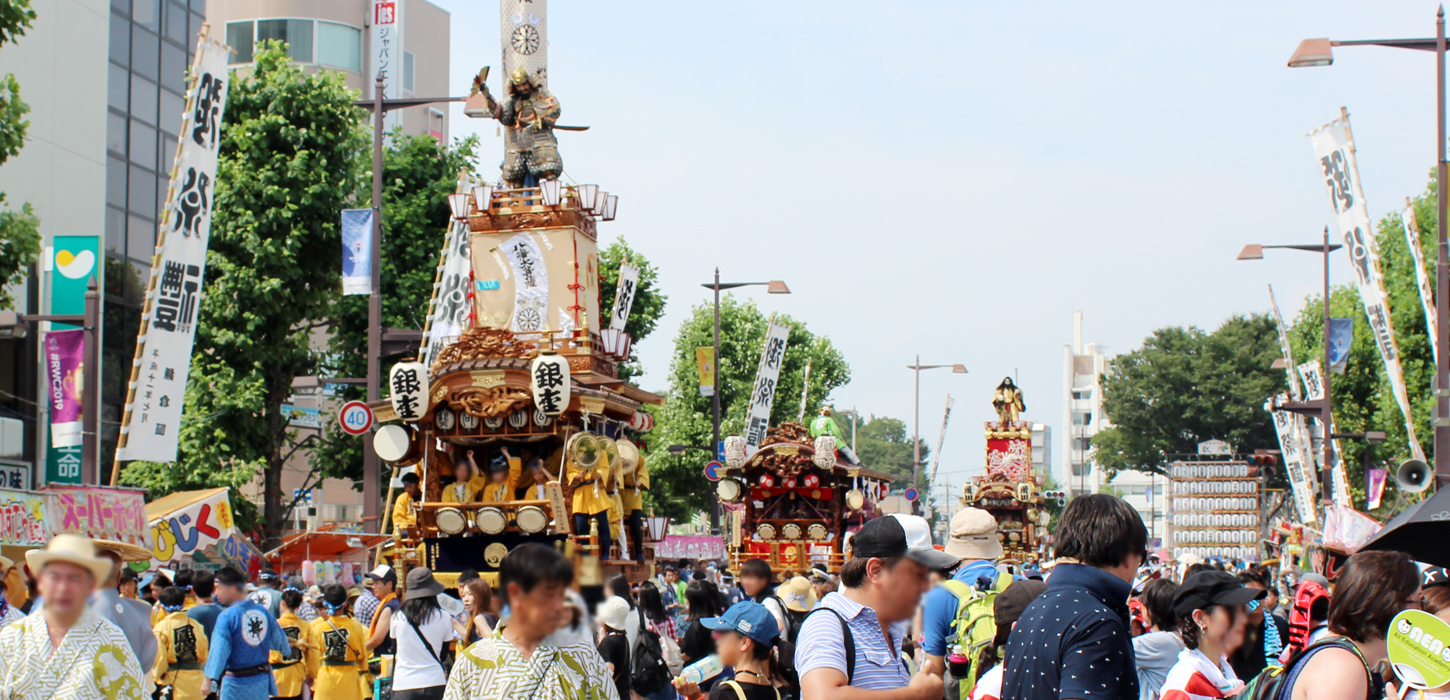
272, 516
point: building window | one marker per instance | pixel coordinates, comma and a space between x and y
1082, 419
1083, 443
408, 71
1081, 469
296, 33
339, 46
239, 37
1088, 394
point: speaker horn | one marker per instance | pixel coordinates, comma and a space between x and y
1413, 476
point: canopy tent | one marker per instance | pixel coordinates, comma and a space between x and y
198, 528
322, 545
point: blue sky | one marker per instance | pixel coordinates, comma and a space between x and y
956, 178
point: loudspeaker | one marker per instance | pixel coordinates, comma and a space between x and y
1413, 476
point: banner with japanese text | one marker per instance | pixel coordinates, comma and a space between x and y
1297, 462
22, 519
1334, 148
1313, 374
65, 353
106, 513
385, 56
201, 533
1422, 277
624, 295
762, 397
151, 422
448, 312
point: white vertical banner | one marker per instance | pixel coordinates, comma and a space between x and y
1299, 469
531, 286
151, 422
1334, 147
525, 37
762, 397
448, 311
1422, 278
385, 55
357, 252
1313, 375
624, 295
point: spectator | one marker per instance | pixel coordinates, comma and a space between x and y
619, 586
129, 586
657, 620
745, 636
755, 580
419, 630
614, 645
365, 607
385, 587
268, 593
133, 617
206, 609
1372, 588
697, 642
1006, 610
1211, 611
799, 598
974, 541
307, 612
884, 580
1259, 632
183, 581
1074, 642
823, 582
515, 660
478, 608
1435, 599
288, 667
1156, 652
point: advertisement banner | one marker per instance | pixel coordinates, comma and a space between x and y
624, 295
357, 252
1313, 376
71, 263
201, 532
1375, 487
1422, 277
98, 512
1334, 148
22, 519
299, 417
450, 307
1341, 336
65, 353
762, 397
386, 56
151, 422
705, 365
690, 547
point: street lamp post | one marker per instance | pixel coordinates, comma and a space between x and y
916, 418
772, 287
1325, 407
854, 417
1320, 52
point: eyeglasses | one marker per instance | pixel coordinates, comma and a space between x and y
1253, 605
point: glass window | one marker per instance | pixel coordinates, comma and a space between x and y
116, 182
121, 6
339, 46
176, 23
147, 13
143, 99
120, 40
408, 71
119, 88
141, 191
296, 33
198, 6
143, 145
173, 107
173, 67
145, 52
116, 133
162, 181
140, 236
166, 155
239, 37
115, 233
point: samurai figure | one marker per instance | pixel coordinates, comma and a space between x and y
529, 113
1008, 401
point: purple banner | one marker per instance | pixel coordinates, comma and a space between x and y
690, 547
64, 385
1376, 487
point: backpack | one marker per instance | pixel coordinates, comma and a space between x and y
793, 622
1272, 682
785, 650
975, 624
648, 672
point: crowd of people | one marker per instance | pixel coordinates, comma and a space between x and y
903, 619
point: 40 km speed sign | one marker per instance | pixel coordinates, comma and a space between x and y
355, 417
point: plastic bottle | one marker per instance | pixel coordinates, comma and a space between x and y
701, 671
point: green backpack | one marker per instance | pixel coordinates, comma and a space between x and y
975, 625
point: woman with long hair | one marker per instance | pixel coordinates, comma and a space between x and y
697, 642
420, 628
745, 637
619, 586
656, 618
1210, 607
477, 599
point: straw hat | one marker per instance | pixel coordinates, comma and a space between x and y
71, 549
125, 550
798, 594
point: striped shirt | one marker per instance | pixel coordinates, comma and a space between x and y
878, 659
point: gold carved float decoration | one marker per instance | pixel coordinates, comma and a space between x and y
483, 343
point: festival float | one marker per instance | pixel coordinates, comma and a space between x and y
517, 374
1010, 490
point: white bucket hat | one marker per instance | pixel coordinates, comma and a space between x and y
612, 612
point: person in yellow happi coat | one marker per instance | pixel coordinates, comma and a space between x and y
337, 657
181, 648
593, 498
290, 669
404, 517
503, 478
631, 496
462, 489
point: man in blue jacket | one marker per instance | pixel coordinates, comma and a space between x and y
245, 632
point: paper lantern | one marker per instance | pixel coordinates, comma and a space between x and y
825, 456
409, 384
734, 451
549, 381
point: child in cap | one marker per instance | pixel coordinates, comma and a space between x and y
1211, 618
1005, 610
744, 638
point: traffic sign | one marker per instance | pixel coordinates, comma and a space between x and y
714, 470
355, 417
911, 494
720, 450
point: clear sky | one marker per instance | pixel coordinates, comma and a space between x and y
956, 178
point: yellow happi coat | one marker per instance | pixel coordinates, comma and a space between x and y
502, 492
290, 669
181, 647
337, 658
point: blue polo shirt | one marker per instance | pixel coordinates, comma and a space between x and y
820, 644
940, 608
1073, 642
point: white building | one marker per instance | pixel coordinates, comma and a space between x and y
1041, 448
1083, 417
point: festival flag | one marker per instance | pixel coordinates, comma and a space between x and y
1313, 375
1293, 430
762, 397
357, 252
1375, 488
449, 309
1422, 278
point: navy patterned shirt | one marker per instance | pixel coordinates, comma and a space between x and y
1073, 642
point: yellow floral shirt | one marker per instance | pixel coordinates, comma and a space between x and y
492, 669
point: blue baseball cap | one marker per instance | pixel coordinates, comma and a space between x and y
748, 618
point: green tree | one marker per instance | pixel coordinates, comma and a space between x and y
883, 443
19, 229
649, 302
678, 486
289, 161
1185, 386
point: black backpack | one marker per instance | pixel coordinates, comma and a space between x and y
785, 650
793, 621
648, 672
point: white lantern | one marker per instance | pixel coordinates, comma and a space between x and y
549, 380
482, 197
609, 207
408, 382
600, 200
587, 195
550, 191
735, 451
458, 203
825, 456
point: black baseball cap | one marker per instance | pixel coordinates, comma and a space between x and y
1207, 588
898, 535
1434, 576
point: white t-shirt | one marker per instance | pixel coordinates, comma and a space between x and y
989, 686
415, 667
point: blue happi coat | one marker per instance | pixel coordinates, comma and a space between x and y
245, 632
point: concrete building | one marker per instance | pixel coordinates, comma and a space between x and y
1041, 448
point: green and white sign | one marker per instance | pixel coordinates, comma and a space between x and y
1418, 650
76, 259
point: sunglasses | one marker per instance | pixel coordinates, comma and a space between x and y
1252, 606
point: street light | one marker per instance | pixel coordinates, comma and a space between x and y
1320, 52
916, 420
855, 416
771, 287
1255, 251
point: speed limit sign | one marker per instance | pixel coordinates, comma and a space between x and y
355, 417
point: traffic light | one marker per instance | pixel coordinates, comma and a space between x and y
1059, 496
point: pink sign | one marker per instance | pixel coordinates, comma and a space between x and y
64, 352
98, 512
690, 547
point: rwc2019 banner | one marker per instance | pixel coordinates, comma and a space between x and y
151, 423
1334, 147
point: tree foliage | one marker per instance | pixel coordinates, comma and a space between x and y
678, 484
883, 443
289, 161
649, 302
19, 228
1185, 386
